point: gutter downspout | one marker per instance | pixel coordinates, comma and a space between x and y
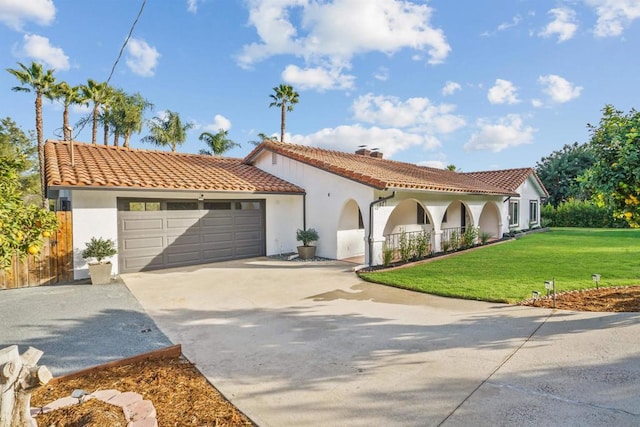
371, 205
304, 211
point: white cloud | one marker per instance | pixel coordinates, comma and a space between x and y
536, 103
142, 59
559, 90
348, 138
417, 113
333, 32
450, 88
317, 78
438, 164
563, 24
14, 13
504, 26
219, 122
192, 6
40, 49
503, 92
508, 131
614, 15
382, 74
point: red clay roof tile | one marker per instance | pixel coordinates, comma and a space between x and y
380, 173
509, 179
105, 166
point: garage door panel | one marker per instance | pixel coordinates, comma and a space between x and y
142, 224
217, 238
209, 221
143, 242
170, 238
211, 255
144, 262
182, 223
183, 239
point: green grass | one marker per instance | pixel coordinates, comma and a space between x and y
510, 271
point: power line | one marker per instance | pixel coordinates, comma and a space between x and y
124, 45
126, 40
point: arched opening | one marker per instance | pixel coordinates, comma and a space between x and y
351, 233
490, 220
455, 222
410, 222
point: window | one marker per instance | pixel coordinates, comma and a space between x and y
513, 212
182, 206
533, 211
217, 206
140, 206
254, 206
421, 217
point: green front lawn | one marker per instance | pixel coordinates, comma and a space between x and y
510, 271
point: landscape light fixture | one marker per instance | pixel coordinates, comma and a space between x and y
596, 278
551, 285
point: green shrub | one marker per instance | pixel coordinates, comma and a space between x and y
579, 213
99, 249
422, 244
469, 237
387, 254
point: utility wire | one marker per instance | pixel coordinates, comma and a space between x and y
126, 40
124, 45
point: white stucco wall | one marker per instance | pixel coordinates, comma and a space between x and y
327, 194
528, 190
95, 214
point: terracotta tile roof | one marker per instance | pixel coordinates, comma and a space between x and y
105, 166
509, 179
380, 173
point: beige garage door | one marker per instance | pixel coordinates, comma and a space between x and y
156, 234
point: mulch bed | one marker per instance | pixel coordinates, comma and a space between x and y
180, 394
618, 299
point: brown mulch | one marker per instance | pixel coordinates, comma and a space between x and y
620, 299
180, 394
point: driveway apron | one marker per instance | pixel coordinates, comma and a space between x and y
310, 344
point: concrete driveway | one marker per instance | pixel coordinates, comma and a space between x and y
310, 344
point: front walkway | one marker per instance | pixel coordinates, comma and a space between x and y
310, 344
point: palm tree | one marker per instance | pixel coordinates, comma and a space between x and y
96, 93
69, 95
218, 143
167, 130
263, 137
284, 97
127, 115
41, 82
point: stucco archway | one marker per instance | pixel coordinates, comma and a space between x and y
350, 236
490, 220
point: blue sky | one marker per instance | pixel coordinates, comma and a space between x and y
487, 84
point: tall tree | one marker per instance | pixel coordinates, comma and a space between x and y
263, 137
285, 97
34, 78
127, 115
16, 145
615, 175
69, 95
218, 143
559, 172
96, 93
167, 130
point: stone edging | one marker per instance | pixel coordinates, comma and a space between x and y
137, 411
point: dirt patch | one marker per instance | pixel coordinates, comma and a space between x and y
622, 299
180, 394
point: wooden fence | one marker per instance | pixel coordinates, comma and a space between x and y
54, 264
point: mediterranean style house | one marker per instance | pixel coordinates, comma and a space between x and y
169, 209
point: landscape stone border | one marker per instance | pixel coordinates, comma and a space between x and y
137, 411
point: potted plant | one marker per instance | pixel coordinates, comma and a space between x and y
307, 251
99, 249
